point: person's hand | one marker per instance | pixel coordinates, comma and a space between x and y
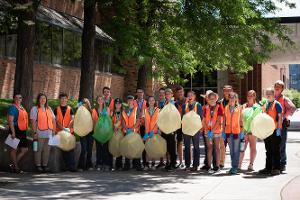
67, 129
278, 132
13, 135
35, 136
210, 134
128, 131
224, 135
151, 134
146, 136
242, 135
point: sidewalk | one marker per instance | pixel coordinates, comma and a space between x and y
161, 185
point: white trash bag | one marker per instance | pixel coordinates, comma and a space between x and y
156, 147
262, 126
83, 122
191, 123
169, 119
67, 141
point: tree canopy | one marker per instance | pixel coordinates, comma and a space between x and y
183, 36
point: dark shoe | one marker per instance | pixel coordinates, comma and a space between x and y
204, 168
221, 166
12, 168
73, 170
275, 172
233, 171
216, 169
160, 165
187, 169
169, 168
282, 168
39, 169
194, 169
265, 171
126, 168
180, 166
46, 169
139, 168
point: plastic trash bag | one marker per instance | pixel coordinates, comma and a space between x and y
114, 144
156, 147
83, 122
67, 141
262, 126
191, 123
169, 119
132, 146
247, 119
103, 131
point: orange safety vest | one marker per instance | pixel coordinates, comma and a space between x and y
111, 106
22, 118
195, 109
282, 102
95, 115
44, 119
272, 112
213, 119
144, 106
130, 120
63, 120
179, 107
150, 121
232, 120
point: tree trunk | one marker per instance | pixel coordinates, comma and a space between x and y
25, 56
142, 77
87, 79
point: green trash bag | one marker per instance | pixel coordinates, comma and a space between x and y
257, 110
247, 118
114, 144
103, 130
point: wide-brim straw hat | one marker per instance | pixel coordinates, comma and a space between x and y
205, 96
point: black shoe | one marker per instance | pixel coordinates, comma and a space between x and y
282, 168
39, 169
216, 169
160, 165
204, 168
169, 168
46, 169
73, 170
194, 169
221, 166
265, 171
126, 168
139, 168
180, 166
275, 172
187, 169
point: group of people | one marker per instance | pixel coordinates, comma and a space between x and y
222, 125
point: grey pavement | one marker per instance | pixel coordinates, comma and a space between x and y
162, 185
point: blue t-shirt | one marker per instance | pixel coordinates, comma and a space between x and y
13, 111
277, 106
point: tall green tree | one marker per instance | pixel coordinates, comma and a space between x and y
184, 36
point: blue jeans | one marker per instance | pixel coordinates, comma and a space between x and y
234, 146
85, 160
283, 146
187, 149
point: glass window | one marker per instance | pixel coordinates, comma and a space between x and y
57, 48
44, 42
103, 57
2, 45
68, 48
77, 49
11, 48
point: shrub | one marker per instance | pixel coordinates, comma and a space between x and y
294, 95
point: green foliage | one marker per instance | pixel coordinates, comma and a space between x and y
294, 95
184, 36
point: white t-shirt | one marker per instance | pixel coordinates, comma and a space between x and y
33, 116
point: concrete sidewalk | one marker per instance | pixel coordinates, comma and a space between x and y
161, 185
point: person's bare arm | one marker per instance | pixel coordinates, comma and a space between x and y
280, 120
11, 125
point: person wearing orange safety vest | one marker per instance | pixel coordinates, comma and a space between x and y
64, 121
103, 156
150, 116
180, 102
192, 105
43, 126
234, 130
212, 119
117, 124
131, 123
288, 109
18, 125
141, 104
272, 143
109, 102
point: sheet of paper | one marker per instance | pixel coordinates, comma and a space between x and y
13, 143
54, 140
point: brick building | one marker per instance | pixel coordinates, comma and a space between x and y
57, 61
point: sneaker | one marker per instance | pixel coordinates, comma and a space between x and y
139, 168
39, 169
180, 166
216, 169
250, 168
146, 167
275, 172
194, 169
265, 171
210, 171
98, 168
233, 171
126, 168
46, 169
90, 169
221, 166
160, 165
169, 168
239, 170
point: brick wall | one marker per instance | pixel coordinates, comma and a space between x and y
53, 80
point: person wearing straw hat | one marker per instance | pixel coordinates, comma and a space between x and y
212, 119
288, 108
